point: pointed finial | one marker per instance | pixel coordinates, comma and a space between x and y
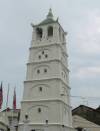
50, 14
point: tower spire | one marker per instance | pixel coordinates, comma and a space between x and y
50, 14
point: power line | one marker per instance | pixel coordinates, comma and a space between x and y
85, 97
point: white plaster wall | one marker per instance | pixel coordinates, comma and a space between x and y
53, 52
52, 67
54, 98
50, 89
49, 127
81, 122
50, 111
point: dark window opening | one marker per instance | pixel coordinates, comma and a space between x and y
39, 33
33, 130
50, 31
40, 89
39, 57
45, 70
46, 121
79, 129
46, 55
39, 110
42, 52
63, 126
38, 71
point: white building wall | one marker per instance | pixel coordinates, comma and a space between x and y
85, 124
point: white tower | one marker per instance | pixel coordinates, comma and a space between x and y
46, 99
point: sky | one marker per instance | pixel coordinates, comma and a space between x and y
80, 18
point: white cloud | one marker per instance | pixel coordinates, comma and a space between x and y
87, 72
89, 36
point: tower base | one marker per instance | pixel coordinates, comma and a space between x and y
42, 127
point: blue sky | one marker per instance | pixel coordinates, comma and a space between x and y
80, 18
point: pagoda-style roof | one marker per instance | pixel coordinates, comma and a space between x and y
49, 19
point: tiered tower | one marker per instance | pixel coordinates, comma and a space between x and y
46, 99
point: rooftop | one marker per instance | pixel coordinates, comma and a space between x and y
49, 19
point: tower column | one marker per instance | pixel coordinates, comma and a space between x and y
46, 88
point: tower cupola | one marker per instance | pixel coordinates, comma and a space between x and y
48, 31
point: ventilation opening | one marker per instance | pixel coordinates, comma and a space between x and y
45, 70
42, 52
46, 56
39, 57
50, 31
40, 89
79, 129
38, 71
46, 121
33, 130
39, 33
39, 110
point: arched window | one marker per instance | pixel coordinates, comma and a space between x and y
45, 70
38, 71
46, 121
50, 31
42, 52
40, 89
39, 33
39, 56
46, 56
39, 110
